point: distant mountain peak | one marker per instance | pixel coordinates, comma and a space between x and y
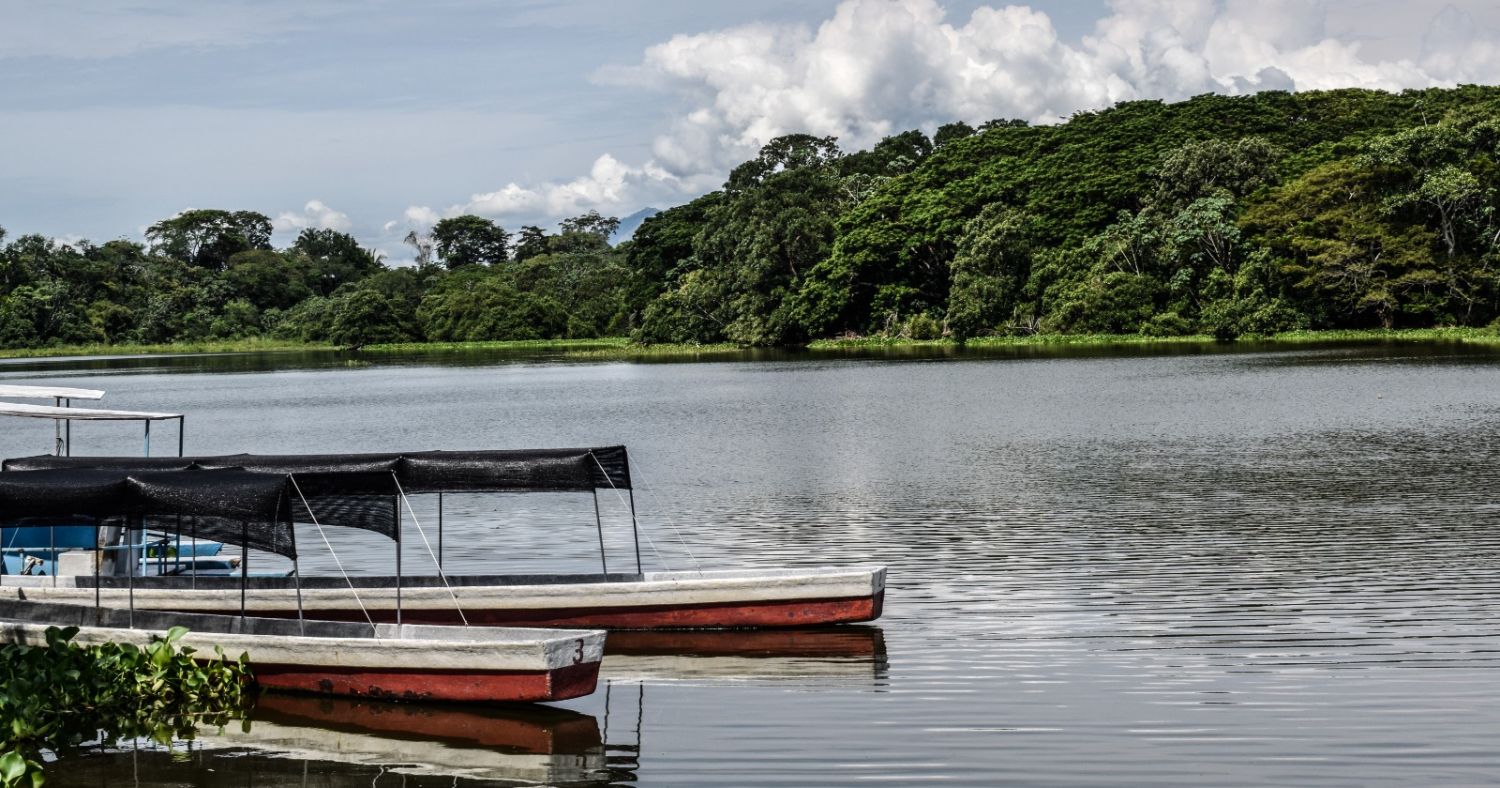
629, 224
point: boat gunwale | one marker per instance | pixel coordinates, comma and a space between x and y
29, 613
875, 573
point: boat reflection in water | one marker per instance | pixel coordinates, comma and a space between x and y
294, 740
291, 740
812, 656
515, 743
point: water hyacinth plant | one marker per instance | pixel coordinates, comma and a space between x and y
63, 694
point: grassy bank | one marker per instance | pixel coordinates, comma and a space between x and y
252, 345
1034, 340
1485, 336
622, 349
1479, 335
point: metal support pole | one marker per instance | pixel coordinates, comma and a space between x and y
635, 532
52, 533
297, 580
98, 559
396, 507
603, 559
244, 566
148, 437
440, 532
68, 431
130, 570
181, 426
194, 574
57, 439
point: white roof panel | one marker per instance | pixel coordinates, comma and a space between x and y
80, 414
48, 392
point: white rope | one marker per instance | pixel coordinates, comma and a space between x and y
624, 504
649, 541
663, 513
423, 532
332, 552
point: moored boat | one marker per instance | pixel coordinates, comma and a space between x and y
253, 510
651, 600
393, 662
367, 491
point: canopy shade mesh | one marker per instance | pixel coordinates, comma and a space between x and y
359, 490
228, 505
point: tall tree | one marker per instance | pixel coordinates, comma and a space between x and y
421, 244
951, 132
470, 240
269, 280
989, 270
207, 238
662, 251
776, 224
591, 223
1328, 228
1435, 179
789, 152
530, 242
589, 232
337, 258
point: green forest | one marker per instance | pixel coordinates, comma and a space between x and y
1228, 216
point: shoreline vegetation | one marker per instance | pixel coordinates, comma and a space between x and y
625, 349
57, 695
1220, 216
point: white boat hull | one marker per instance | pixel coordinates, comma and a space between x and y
653, 600
405, 662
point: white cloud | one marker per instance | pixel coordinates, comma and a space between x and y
417, 216
879, 66
876, 67
610, 186
315, 214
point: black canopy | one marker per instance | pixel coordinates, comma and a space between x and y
510, 470
228, 505
358, 490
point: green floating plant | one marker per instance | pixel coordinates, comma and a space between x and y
62, 694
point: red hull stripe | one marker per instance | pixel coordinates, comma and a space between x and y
728, 615
431, 685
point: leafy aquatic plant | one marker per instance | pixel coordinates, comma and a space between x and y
63, 694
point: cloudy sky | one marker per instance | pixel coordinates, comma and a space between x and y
377, 117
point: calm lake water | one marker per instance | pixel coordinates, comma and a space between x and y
1205, 568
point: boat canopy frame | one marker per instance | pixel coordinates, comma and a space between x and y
63, 415
221, 503
350, 490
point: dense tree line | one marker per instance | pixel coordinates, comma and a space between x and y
212, 274
1223, 215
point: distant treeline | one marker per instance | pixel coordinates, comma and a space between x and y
1221, 215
